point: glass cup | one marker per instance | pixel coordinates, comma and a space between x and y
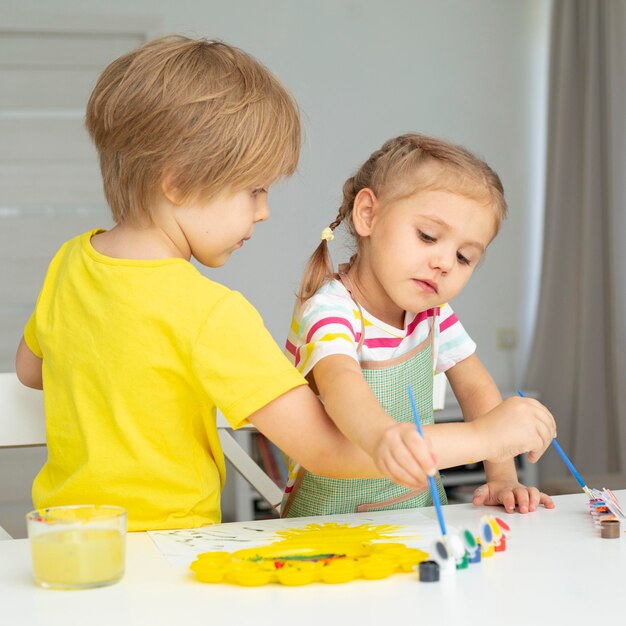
77, 547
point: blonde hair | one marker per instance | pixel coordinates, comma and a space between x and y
403, 166
202, 115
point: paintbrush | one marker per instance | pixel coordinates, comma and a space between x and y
431, 481
570, 465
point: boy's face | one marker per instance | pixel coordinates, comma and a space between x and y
214, 229
420, 251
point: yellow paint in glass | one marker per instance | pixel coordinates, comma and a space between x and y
78, 558
77, 546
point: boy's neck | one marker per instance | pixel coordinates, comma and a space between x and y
137, 241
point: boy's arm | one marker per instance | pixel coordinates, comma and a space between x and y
477, 395
28, 366
297, 423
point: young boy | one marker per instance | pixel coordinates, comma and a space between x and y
133, 347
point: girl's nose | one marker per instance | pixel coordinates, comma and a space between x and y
442, 260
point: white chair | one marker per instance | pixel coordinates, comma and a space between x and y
22, 424
246, 466
21, 418
440, 384
21, 414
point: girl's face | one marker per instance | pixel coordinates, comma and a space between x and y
215, 229
419, 252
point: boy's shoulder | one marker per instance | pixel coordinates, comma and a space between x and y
180, 278
77, 242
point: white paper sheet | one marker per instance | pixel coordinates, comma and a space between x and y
180, 547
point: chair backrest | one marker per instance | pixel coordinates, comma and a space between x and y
247, 467
440, 383
22, 421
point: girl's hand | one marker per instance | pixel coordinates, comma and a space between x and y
515, 426
510, 493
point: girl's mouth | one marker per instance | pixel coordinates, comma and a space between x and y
427, 285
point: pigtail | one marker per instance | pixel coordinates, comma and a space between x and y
319, 268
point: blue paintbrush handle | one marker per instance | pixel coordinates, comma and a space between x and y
415, 413
570, 465
434, 494
437, 502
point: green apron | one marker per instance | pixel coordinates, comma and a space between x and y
311, 494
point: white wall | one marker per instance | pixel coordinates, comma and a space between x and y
363, 71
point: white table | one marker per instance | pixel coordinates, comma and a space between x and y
556, 567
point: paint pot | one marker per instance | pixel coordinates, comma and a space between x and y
485, 532
456, 547
488, 552
501, 545
443, 557
429, 571
610, 529
476, 556
486, 538
499, 540
471, 547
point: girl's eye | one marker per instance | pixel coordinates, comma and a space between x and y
426, 237
462, 259
258, 190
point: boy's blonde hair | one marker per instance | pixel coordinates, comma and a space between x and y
403, 166
201, 116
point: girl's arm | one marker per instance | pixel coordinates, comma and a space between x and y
397, 449
299, 425
477, 395
352, 405
28, 366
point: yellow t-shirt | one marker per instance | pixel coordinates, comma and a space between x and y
137, 355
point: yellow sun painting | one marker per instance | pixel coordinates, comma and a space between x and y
327, 553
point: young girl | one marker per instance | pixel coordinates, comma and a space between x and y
423, 213
133, 347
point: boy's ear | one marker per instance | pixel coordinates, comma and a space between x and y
364, 210
171, 192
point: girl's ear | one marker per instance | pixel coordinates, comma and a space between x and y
363, 211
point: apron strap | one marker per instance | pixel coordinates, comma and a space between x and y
347, 283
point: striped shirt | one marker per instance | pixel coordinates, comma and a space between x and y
330, 323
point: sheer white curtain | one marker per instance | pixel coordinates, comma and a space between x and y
578, 361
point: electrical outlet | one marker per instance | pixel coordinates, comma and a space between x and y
506, 338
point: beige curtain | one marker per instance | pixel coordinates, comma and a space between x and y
578, 360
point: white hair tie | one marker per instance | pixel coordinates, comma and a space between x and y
327, 234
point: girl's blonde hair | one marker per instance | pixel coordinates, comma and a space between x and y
403, 166
200, 115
